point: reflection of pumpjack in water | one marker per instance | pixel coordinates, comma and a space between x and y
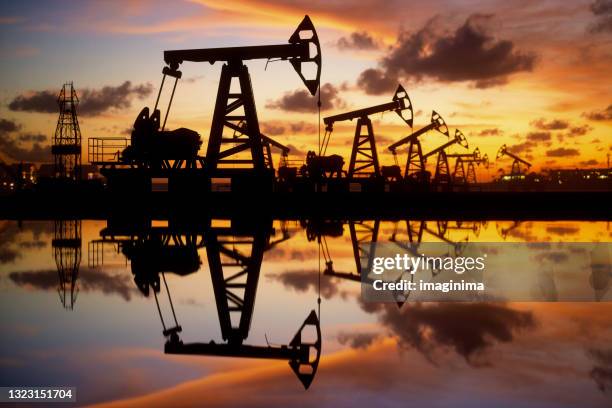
234, 258
66, 246
362, 232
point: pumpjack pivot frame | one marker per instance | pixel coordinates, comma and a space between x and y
364, 156
245, 149
415, 164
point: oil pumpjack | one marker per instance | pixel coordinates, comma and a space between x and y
415, 164
364, 156
156, 152
519, 166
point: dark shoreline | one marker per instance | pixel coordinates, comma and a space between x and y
483, 205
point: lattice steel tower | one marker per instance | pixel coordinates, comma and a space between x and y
67, 253
66, 147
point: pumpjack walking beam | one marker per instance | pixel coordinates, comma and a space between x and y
415, 164
442, 175
364, 156
297, 52
516, 164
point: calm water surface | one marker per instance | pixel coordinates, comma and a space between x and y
72, 314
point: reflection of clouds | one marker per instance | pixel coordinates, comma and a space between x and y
12, 239
358, 340
553, 256
305, 280
379, 376
301, 254
89, 280
562, 230
467, 328
602, 371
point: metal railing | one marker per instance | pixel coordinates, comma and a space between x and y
105, 150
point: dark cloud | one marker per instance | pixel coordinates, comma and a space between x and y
358, 41
554, 124
538, 136
89, 280
522, 147
490, 132
301, 101
357, 340
272, 129
578, 131
470, 53
303, 281
25, 146
376, 82
562, 152
31, 137
591, 162
302, 127
604, 114
7, 125
92, 101
602, 9
466, 328
602, 371
296, 151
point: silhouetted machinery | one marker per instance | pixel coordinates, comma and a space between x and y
364, 156
463, 175
236, 148
66, 246
415, 165
442, 175
235, 107
155, 148
235, 255
319, 167
519, 166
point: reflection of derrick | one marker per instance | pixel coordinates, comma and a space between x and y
235, 254
67, 253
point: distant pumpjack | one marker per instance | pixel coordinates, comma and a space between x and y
364, 156
517, 172
415, 164
66, 246
442, 175
460, 174
297, 52
66, 148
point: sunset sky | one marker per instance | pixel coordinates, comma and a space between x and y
532, 75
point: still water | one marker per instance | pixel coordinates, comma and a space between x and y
83, 305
